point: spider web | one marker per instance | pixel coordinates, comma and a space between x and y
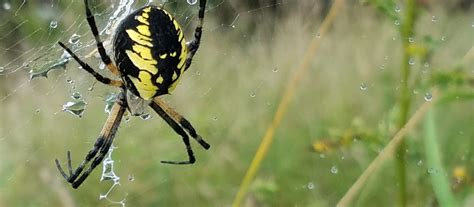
230, 94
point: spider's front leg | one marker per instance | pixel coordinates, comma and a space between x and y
101, 146
193, 45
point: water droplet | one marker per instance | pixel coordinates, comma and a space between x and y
426, 65
419, 163
428, 96
411, 40
102, 66
443, 38
415, 91
318, 35
310, 185
334, 170
363, 86
76, 96
434, 19
38, 110
127, 119
2, 69
432, 170
53, 24
90, 88
253, 94
70, 81
76, 108
131, 178
233, 26
411, 61
74, 39
394, 38
145, 116
109, 102
191, 2
322, 155
397, 9
214, 118
275, 70
198, 72
65, 55
7, 6
397, 22
382, 67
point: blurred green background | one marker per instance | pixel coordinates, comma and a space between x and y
343, 113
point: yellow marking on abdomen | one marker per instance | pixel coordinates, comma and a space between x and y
144, 86
138, 38
143, 20
183, 55
143, 51
159, 79
180, 35
142, 64
146, 10
144, 30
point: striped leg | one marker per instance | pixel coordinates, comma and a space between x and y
179, 124
177, 128
100, 46
89, 69
193, 46
181, 121
101, 147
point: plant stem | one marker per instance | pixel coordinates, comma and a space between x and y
406, 32
439, 180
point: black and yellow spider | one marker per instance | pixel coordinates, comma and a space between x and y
150, 57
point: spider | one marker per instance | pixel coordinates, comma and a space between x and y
151, 54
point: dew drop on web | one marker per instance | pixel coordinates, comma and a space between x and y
53, 24
191, 2
74, 39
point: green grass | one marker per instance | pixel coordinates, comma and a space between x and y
220, 105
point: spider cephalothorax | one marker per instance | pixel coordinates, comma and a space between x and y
150, 57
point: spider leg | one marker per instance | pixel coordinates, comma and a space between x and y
100, 46
101, 146
193, 46
90, 155
182, 121
89, 69
178, 129
102, 153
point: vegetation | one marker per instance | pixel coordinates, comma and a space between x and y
376, 65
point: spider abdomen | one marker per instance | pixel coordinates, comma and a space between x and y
150, 52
